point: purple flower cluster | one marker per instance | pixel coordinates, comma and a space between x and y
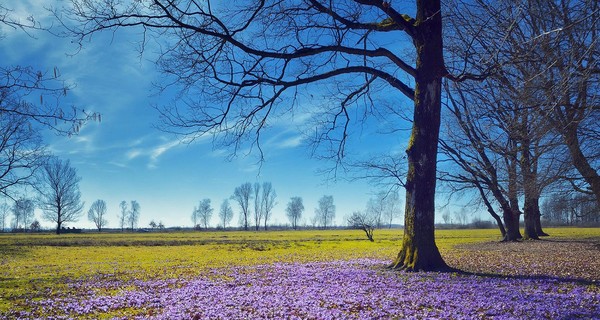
359, 289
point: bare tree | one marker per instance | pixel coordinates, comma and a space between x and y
570, 209
462, 216
123, 215
392, 207
4, 213
241, 195
204, 213
225, 214
363, 221
325, 212
60, 198
446, 217
236, 64
477, 141
294, 211
562, 37
546, 56
97, 214
258, 206
376, 207
268, 201
23, 213
134, 214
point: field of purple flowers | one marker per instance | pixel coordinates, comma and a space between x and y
358, 289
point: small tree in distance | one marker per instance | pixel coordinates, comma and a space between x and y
23, 213
204, 213
393, 208
446, 217
226, 213
123, 215
241, 195
258, 206
364, 222
134, 214
96, 214
35, 226
325, 213
4, 212
268, 200
294, 211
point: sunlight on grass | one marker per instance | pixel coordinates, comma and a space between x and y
45, 265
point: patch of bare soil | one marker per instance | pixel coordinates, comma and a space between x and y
561, 258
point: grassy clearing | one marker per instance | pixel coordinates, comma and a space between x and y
34, 266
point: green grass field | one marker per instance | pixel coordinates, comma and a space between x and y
35, 264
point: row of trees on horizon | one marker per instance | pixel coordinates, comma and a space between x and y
59, 198
254, 201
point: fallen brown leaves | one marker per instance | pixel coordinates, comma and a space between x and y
561, 258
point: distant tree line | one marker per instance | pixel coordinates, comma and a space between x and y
256, 201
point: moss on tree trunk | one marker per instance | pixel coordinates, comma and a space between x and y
419, 251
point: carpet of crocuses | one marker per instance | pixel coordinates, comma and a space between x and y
357, 288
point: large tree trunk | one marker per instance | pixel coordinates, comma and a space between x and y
529, 184
511, 221
529, 217
511, 213
419, 251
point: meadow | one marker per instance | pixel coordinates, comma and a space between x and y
317, 274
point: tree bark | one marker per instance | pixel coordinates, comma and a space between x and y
529, 183
537, 218
419, 251
491, 210
511, 221
511, 213
580, 162
530, 218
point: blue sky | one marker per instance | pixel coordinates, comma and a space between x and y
126, 158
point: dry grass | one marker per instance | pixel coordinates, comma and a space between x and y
563, 258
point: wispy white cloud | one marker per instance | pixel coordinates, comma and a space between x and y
292, 142
132, 154
158, 151
150, 151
